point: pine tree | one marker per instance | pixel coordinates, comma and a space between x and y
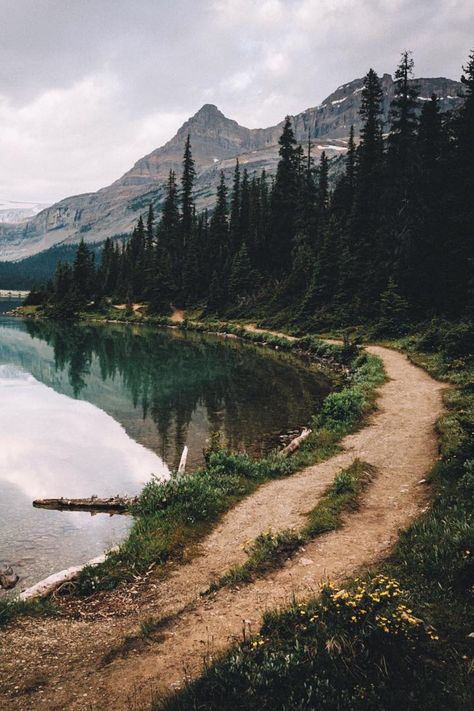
191, 272
150, 229
307, 211
284, 202
461, 170
351, 160
136, 260
403, 114
162, 286
235, 205
169, 231
343, 195
108, 272
432, 143
244, 209
187, 201
369, 154
393, 310
83, 271
219, 232
217, 294
360, 272
323, 187
401, 203
66, 301
242, 278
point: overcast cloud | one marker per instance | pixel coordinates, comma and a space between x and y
89, 86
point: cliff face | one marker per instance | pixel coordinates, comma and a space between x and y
216, 142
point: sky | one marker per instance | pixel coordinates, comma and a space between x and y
87, 87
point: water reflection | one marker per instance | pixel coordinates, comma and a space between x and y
168, 389
52, 445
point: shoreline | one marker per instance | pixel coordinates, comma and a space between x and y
13, 294
47, 586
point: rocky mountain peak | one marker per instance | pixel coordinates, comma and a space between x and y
216, 142
208, 118
209, 112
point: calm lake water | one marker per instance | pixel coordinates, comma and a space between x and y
97, 409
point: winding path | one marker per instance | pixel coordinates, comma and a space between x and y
69, 670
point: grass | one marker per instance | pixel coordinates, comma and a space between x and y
342, 496
10, 609
269, 550
359, 647
399, 637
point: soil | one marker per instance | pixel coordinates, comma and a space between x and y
177, 316
80, 661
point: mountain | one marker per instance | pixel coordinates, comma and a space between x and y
216, 142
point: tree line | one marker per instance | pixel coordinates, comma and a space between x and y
390, 240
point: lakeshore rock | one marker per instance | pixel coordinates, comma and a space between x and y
8, 579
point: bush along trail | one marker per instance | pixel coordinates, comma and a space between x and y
168, 627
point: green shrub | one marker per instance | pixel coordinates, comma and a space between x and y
267, 551
341, 410
342, 496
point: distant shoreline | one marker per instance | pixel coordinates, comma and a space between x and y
13, 293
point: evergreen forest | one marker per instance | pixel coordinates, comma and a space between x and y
380, 236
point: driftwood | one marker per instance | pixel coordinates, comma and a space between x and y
182, 461
295, 443
113, 504
53, 582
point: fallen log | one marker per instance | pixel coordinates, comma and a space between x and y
295, 443
182, 461
53, 582
112, 504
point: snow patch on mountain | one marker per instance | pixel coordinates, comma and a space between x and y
14, 211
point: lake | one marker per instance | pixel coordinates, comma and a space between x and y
96, 409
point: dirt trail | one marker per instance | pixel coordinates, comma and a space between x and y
177, 316
68, 671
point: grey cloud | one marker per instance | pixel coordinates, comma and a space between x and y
156, 59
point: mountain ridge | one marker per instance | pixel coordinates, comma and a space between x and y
216, 142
